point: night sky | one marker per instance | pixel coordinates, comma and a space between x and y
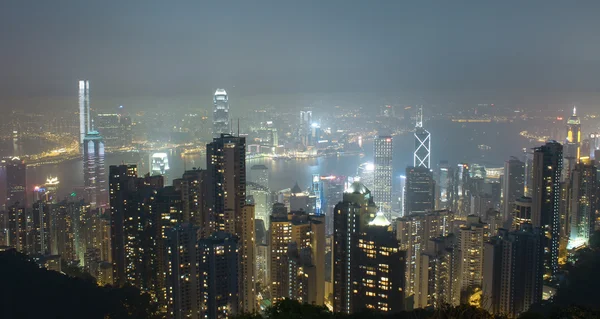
267, 47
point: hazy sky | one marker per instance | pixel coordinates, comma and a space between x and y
165, 47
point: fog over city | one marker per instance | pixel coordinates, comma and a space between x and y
305, 159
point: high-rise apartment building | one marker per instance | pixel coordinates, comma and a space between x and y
93, 169
583, 201
521, 212
226, 201
218, 272
419, 191
513, 271
379, 267
470, 245
16, 183
513, 185
221, 123
382, 190
85, 121
351, 217
413, 233
546, 192
437, 273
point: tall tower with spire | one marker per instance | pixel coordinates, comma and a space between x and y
572, 151
422, 154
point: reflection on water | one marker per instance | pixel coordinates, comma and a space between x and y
450, 141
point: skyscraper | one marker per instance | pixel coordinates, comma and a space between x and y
583, 201
16, 181
218, 272
109, 126
226, 180
572, 148
546, 190
93, 169
444, 186
382, 192
513, 185
380, 268
470, 245
305, 130
419, 191
85, 122
221, 124
521, 213
437, 273
422, 154
461, 190
351, 217
512, 271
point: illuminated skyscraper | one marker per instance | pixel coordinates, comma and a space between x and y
513, 185
422, 154
572, 148
545, 211
259, 174
93, 169
470, 245
351, 217
221, 124
584, 194
305, 128
85, 122
461, 190
419, 191
594, 145
109, 126
16, 181
226, 180
444, 186
382, 190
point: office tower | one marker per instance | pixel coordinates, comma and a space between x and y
17, 228
528, 173
572, 148
221, 124
583, 201
422, 154
62, 230
521, 212
546, 192
444, 186
181, 272
109, 126
481, 203
304, 130
85, 122
333, 188
437, 273
226, 177
513, 185
16, 181
316, 195
461, 188
382, 188
261, 198
366, 174
247, 270
379, 269
259, 174
513, 271
126, 130
419, 191
93, 169
594, 145
40, 228
350, 219
299, 200
50, 190
218, 269
470, 245
413, 233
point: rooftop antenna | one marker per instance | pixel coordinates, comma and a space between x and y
238, 127
574, 110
